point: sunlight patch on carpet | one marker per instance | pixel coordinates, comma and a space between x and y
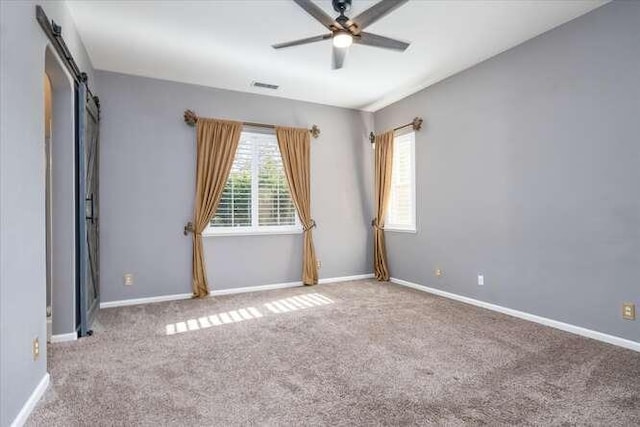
285, 305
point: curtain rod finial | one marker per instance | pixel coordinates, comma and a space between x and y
190, 118
417, 123
372, 137
315, 131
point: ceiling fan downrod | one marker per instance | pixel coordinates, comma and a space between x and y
342, 6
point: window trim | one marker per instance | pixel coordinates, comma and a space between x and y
411, 228
254, 230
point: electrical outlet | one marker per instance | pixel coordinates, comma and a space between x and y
438, 272
128, 279
480, 279
318, 264
629, 311
36, 348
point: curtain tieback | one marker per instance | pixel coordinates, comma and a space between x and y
312, 224
374, 224
188, 228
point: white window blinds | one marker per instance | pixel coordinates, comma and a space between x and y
401, 209
256, 197
234, 209
275, 207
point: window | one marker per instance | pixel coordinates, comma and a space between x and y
401, 212
256, 198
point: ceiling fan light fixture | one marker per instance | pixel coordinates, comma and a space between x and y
342, 39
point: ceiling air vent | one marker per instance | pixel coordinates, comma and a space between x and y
264, 85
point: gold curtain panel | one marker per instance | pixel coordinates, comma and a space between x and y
295, 148
383, 168
217, 141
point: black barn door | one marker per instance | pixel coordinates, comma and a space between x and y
88, 209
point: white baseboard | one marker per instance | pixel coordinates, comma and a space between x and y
148, 300
63, 337
345, 278
578, 330
31, 402
232, 291
220, 292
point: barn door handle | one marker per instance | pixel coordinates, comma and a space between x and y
91, 217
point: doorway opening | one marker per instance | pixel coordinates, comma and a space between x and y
48, 96
60, 199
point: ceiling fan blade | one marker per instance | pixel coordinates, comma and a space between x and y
375, 12
318, 14
302, 41
375, 40
339, 53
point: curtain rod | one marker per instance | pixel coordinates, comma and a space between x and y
191, 118
416, 124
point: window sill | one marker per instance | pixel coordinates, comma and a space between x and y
251, 232
401, 230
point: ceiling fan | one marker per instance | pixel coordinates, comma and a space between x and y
345, 31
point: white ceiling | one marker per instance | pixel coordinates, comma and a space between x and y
227, 43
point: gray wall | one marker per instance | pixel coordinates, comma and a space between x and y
528, 171
147, 181
22, 195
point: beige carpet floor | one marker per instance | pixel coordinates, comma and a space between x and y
356, 353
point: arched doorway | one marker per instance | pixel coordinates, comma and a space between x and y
60, 198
